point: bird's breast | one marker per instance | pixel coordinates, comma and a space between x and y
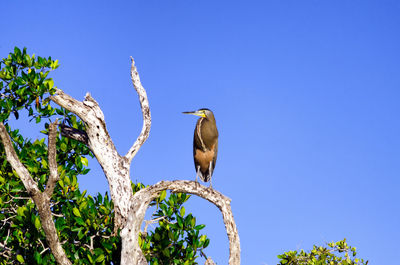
203, 158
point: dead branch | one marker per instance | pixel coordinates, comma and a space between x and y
130, 209
144, 104
143, 198
75, 134
115, 167
209, 261
52, 154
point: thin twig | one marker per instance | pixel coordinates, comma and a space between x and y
152, 221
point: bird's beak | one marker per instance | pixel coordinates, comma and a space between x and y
197, 113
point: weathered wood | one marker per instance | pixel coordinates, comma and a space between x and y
116, 167
142, 199
129, 209
144, 104
41, 199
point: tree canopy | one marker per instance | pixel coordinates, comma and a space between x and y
334, 253
84, 223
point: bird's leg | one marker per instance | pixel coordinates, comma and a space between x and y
197, 173
210, 171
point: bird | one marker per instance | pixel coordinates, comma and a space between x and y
205, 144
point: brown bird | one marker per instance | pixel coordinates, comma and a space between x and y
205, 144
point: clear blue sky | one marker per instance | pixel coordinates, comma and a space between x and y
306, 95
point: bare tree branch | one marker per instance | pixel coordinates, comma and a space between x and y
209, 261
143, 198
30, 185
75, 134
144, 104
115, 167
130, 209
52, 154
41, 199
152, 221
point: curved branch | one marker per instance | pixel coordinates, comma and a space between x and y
144, 104
143, 198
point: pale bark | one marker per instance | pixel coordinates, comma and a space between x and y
144, 104
209, 261
143, 198
41, 199
115, 167
129, 209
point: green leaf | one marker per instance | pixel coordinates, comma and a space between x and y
63, 147
80, 221
182, 211
199, 227
90, 257
27, 60
76, 212
180, 221
17, 51
163, 194
21, 211
38, 257
166, 252
84, 161
203, 238
37, 223
100, 258
206, 243
49, 83
20, 258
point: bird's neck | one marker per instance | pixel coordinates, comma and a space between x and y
209, 132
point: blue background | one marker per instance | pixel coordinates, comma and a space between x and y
306, 96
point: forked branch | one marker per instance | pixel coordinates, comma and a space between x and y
115, 167
129, 209
41, 199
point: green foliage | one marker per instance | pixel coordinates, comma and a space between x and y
336, 253
84, 223
24, 81
177, 240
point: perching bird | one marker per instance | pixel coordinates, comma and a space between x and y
205, 144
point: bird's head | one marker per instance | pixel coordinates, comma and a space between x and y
205, 113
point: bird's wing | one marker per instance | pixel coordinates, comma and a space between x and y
215, 154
